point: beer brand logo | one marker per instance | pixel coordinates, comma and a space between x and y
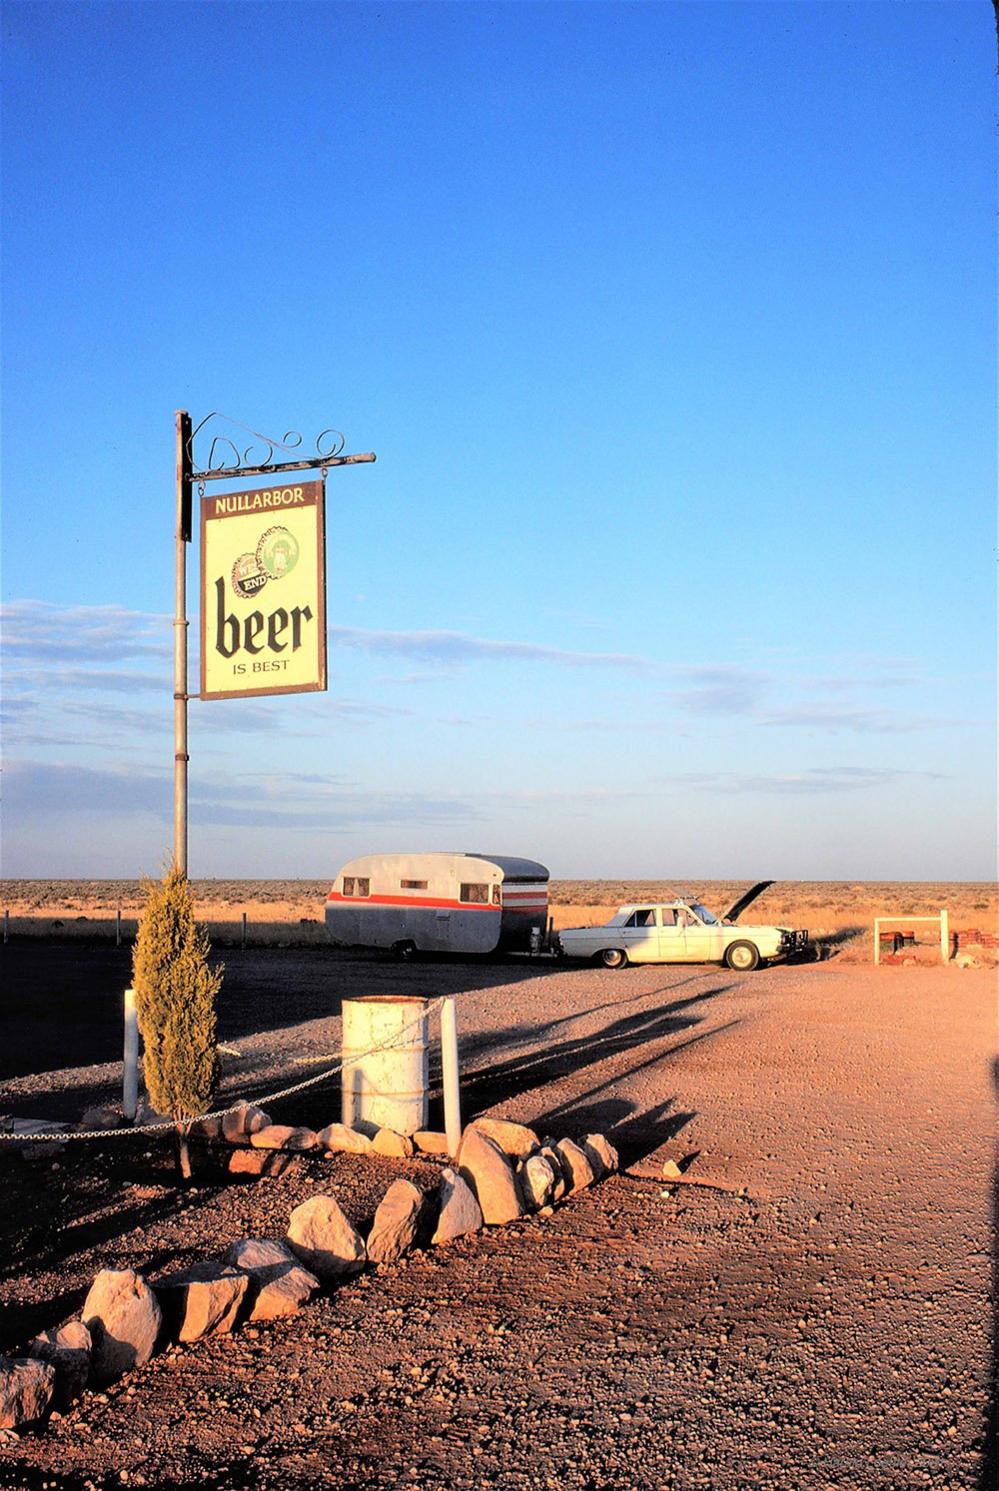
276, 556
247, 577
277, 552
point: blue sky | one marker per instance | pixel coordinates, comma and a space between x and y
673, 329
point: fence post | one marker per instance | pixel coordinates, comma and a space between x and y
945, 935
449, 1064
117, 928
244, 931
877, 940
130, 1076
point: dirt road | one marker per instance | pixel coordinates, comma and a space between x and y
831, 1328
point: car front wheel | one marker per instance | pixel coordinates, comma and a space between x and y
742, 956
613, 957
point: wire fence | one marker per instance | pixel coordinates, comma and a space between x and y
62, 1136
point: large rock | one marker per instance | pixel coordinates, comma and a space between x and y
601, 1154
202, 1299
428, 1141
263, 1162
339, 1139
537, 1182
576, 1165
458, 1210
485, 1167
513, 1138
244, 1120
67, 1349
561, 1173
280, 1284
123, 1317
396, 1222
396, 1146
282, 1136
32, 1148
326, 1242
26, 1388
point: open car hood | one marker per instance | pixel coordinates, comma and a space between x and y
734, 912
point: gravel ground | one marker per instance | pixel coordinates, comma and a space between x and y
832, 1327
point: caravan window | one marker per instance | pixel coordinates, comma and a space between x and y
478, 895
414, 884
358, 885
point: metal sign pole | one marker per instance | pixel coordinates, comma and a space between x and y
183, 536
329, 447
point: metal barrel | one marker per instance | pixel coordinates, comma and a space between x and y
385, 1069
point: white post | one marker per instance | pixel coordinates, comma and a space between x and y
877, 940
945, 936
130, 1079
449, 1063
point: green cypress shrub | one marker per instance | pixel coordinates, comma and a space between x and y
175, 997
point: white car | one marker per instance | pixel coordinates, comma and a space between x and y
682, 931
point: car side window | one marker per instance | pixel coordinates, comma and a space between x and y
668, 915
641, 919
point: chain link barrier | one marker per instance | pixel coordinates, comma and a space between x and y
169, 1125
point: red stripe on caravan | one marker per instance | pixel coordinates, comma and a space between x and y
441, 901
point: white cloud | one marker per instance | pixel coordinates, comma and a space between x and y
446, 647
816, 779
39, 790
41, 630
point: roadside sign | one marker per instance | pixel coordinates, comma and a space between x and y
263, 591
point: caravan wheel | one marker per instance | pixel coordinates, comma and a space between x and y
404, 950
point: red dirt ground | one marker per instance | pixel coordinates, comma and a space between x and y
833, 1327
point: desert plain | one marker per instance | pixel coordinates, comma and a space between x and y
810, 1302
839, 914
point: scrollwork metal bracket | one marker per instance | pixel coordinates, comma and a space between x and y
227, 456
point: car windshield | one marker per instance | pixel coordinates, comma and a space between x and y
707, 917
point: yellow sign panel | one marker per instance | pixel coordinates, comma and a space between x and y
263, 592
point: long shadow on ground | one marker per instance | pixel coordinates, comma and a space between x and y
63, 1003
545, 1062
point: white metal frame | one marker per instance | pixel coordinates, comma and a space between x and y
943, 917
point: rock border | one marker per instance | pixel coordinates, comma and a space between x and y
502, 1173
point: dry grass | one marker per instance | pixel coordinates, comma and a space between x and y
290, 912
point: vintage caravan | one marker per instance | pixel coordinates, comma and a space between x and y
445, 903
